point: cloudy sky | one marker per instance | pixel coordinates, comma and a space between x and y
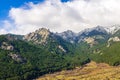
24, 16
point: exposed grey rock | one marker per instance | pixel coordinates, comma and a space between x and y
112, 29
60, 47
68, 35
7, 46
114, 39
99, 30
91, 41
39, 36
17, 57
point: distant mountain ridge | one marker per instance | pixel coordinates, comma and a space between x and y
78, 37
25, 57
69, 35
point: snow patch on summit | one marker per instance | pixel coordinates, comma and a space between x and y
112, 29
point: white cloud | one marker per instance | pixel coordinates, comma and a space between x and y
5, 27
3, 31
75, 15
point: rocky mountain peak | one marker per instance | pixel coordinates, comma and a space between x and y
68, 33
68, 36
98, 29
39, 36
43, 31
112, 29
42, 35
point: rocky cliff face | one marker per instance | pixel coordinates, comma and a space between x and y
113, 39
91, 41
47, 39
39, 36
7, 46
17, 57
68, 36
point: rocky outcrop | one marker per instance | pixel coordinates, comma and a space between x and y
61, 48
97, 51
89, 40
68, 35
7, 46
17, 57
39, 36
114, 39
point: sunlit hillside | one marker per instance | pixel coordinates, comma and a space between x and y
91, 71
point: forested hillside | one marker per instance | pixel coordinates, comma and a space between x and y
26, 57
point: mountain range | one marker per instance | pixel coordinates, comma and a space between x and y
26, 57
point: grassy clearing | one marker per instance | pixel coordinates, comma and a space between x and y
91, 71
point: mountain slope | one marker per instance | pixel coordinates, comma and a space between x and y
47, 40
68, 36
29, 56
23, 60
36, 61
91, 71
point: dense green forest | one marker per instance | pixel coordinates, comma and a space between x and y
38, 60
28, 61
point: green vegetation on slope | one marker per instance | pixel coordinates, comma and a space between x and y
38, 60
34, 60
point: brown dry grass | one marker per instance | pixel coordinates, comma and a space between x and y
91, 71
